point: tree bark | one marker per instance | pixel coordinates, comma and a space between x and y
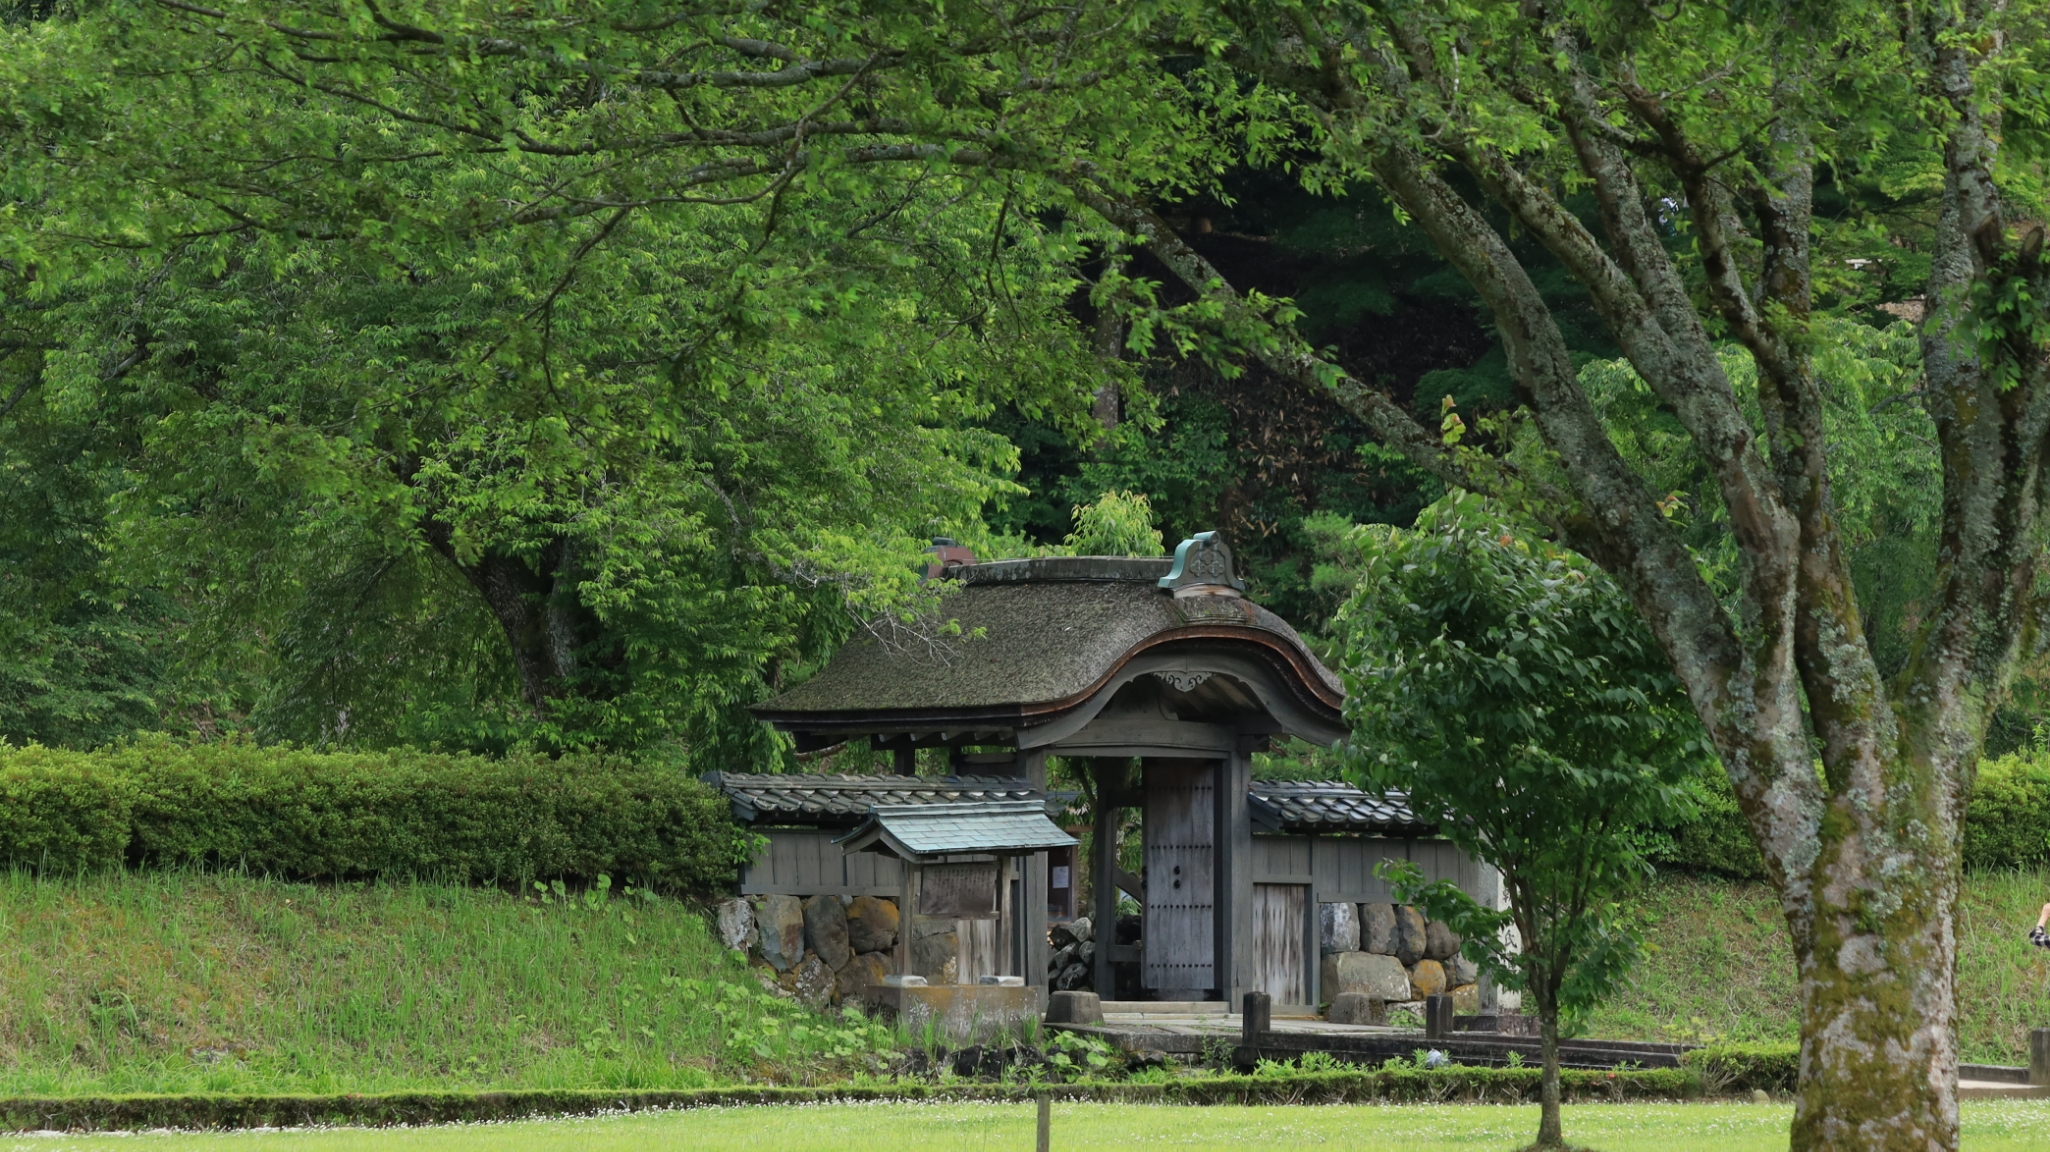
1551, 1131
1865, 855
547, 629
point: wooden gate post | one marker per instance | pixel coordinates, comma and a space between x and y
1259, 1017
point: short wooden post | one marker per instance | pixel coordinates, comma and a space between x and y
2039, 1057
1437, 1016
1045, 1123
1259, 1017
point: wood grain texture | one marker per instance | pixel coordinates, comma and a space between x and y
1181, 910
1278, 936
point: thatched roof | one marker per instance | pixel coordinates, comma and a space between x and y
1038, 637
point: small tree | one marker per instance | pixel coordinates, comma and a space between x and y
1509, 690
1118, 524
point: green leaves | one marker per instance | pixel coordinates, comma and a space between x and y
675, 329
1507, 688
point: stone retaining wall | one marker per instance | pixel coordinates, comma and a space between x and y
1389, 952
826, 949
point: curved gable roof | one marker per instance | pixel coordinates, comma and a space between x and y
1038, 637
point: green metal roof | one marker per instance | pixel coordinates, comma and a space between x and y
914, 831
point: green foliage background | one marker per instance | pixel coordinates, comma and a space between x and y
313, 329
299, 814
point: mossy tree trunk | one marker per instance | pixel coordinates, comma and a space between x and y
1865, 853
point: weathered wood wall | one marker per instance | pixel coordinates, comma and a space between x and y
1279, 941
1342, 867
806, 862
1333, 869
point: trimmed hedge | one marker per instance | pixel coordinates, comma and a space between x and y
1717, 840
332, 815
2007, 824
1743, 1067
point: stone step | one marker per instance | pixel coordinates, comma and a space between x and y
2000, 1090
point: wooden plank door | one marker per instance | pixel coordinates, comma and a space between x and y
1279, 937
1180, 933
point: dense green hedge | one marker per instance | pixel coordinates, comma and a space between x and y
298, 813
1726, 1068
2007, 824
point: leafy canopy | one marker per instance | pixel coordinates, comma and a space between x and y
569, 374
1509, 690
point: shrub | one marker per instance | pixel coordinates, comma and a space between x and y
1717, 840
1743, 1067
316, 815
2007, 823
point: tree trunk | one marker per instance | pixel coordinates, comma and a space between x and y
547, 628
1877, 974
1865, 853
1551, 1134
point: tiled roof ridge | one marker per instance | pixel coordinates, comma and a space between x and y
850, 780
1301, 787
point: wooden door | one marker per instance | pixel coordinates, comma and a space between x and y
1180, 934
1278, 942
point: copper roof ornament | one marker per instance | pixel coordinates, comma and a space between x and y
1203, 567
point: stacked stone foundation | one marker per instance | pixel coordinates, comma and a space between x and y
829, 949
1389, 952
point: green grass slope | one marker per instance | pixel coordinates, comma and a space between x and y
1719, 967
176, 982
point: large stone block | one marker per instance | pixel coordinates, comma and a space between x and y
1440, 943
935, 954
872, 924
1427, 978
736, 919
1377, 977
815, 985
1074, 1008
962, 1014
863, 974
1338, 928
1353, 1008
1377, 929
780, 920
1466, 999
1409, 934
1459, 970
825, 930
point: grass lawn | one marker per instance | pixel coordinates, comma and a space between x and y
181, 982
1988, 1127
1719, 967
178, 982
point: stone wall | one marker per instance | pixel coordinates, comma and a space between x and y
824, 949
1073, 963
1388, 952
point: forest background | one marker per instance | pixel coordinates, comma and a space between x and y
347, 403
